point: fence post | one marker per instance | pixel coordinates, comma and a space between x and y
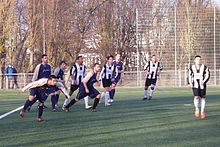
180, 75
7, 82
185, 77
25, 80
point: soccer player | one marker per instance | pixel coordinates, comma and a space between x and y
86, 89
108, 77
42, 70
77, 73
198, 77
59, 73
119, 65
153, 69
39, 90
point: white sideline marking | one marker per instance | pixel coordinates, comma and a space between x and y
10, 112
187, 104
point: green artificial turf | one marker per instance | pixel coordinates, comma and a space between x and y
165, 121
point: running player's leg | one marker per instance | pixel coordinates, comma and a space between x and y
147, 84
41, 96
80, 95
107, 89
86, 102
95, 94
112, 92
53, 90
72, 89
40, 112
196, 101
29, 101
152, 88
106, 84
203, 102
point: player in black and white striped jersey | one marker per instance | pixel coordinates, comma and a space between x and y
199, 75
108, 76
153, 69
78, 73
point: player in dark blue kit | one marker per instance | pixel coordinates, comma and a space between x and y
59, 73
40, 90
42, 70
119, 65
86, 88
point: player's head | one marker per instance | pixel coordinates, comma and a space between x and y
197, 59
96, 67
153, 58
44, 59
110, 59
52, 80
118, 57
62, 65
79, 59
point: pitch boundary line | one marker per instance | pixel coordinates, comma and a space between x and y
10, 112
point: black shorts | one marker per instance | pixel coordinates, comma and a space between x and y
74, 87
148, 82
199, 92
117, 80
82, 93
106, 82
39, 93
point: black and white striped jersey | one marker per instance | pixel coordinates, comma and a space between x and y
108, 72
77, 72
197, 75
153, 69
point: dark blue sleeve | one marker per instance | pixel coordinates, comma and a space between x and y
121, 66
49, 69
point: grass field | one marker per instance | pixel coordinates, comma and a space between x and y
165, 121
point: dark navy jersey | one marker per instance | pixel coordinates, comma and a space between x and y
59, 73
90, 82
119, 65
44, 71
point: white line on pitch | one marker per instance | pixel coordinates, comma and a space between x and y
10, 112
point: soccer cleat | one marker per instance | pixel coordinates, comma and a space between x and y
203, 115
145, 98
150, 97
22, 112
54, 110
66, 110
107, 104
88, 107
39, 119
94, 110
196, 114
63, 107
110, 100
45, 107
57, 106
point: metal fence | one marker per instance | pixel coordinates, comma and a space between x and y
176, 34
129, 79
